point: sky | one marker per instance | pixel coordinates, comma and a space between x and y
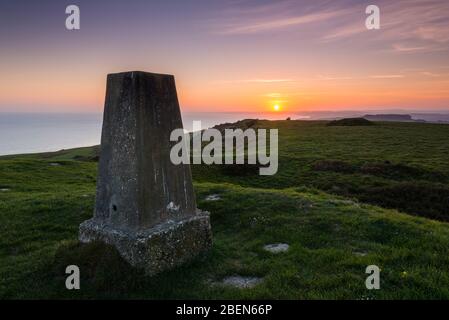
228, 55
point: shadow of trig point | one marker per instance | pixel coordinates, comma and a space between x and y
145, 205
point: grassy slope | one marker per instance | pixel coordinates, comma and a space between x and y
332, 239
422, 149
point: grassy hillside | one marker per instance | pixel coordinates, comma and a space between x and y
401, 166
320, 203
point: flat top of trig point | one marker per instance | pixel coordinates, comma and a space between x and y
139, 73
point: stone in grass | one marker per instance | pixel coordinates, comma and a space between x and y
54, 164
213, 197
276, 247
4, 189
241, 282
360, 253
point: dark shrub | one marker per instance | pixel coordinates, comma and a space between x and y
419, 198
350, 122
399, 171
334, 165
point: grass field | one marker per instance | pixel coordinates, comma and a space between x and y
344, 198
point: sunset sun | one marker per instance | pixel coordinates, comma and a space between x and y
276, 107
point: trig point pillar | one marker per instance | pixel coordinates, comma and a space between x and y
145, 205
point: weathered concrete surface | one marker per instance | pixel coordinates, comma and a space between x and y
139, 191
137, 181
161, 247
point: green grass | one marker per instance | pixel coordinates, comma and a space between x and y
417, 165
332, 237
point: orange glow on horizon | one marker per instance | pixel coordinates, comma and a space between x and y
79, 92
234, 63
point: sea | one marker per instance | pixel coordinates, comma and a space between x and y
22, 133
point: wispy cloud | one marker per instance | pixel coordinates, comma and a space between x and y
407, 26
277, 95
263, 80
430, 74
280, 23
434, 33
273, 95
386, 76
376, 76
330, 78
397, 47
346, 31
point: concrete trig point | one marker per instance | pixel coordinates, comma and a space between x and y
145, 205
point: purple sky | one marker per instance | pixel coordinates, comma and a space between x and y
229, 55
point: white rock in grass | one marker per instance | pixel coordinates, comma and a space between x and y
277, 247
360, 253
54, 164
213, 197
241, 282
4, 189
